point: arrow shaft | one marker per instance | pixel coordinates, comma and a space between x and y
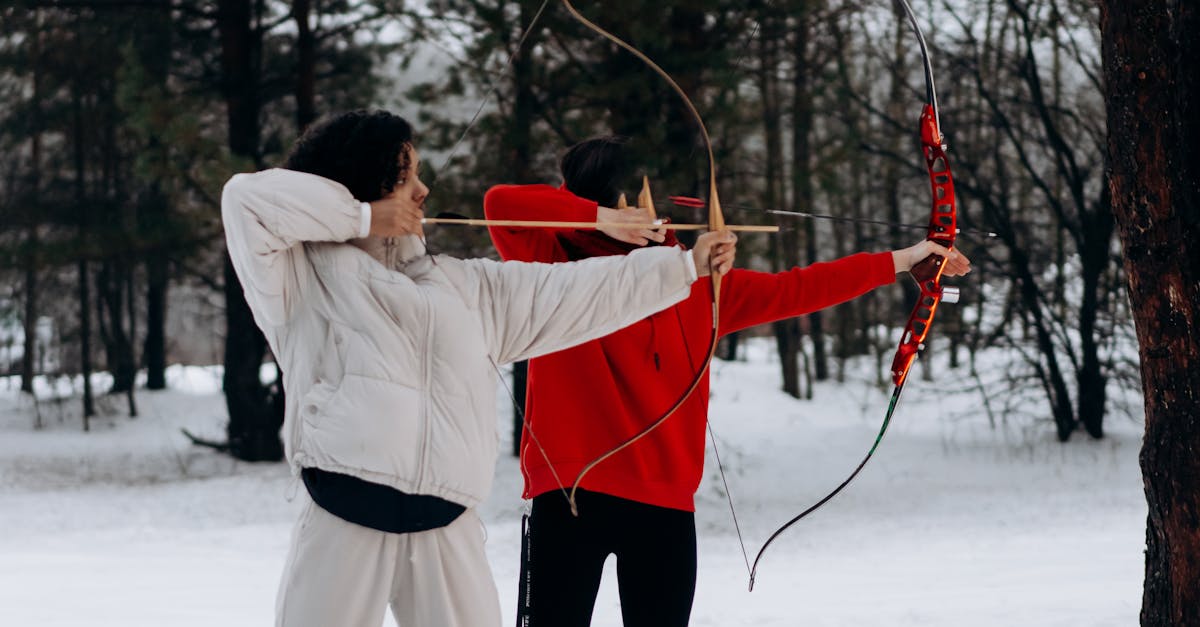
898, 225
670, 226
821, 216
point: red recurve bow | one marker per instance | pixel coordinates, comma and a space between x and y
943, 227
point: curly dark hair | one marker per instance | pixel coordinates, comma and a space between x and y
596, 168
367, 151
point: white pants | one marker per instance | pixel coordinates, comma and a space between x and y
339, 574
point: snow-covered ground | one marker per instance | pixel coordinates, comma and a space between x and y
952, 523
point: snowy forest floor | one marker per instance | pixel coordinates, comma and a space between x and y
953, 523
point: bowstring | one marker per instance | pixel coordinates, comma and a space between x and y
712, 436
525, 427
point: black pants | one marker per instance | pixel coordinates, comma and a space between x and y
655, 549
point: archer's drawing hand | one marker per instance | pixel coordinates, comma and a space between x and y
957, 263
633, 215
397, 214
714, 253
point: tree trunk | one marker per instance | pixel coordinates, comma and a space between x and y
130, 305
684, 34
154, 53
253, 429
30, 319
785, 249
519, 147
1092, 392
727, 350
520, 132
851, 323
85, 343
306, 65
1153, 99
118, 349
802, 184
520, 382
898, 109
29, 258
1048, 371
154, 349
255, 416
82, 250
240, 48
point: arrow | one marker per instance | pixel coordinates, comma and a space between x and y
688, 201
659, 224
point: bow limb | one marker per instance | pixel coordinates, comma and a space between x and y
716, 221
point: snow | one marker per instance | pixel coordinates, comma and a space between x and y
952, 523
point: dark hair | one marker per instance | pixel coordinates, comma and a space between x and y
595, 168
367, 151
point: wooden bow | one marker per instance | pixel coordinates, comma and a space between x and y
716, 222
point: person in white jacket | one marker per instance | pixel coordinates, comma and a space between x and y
388, 359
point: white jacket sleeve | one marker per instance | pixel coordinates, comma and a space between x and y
267, 215
532, 309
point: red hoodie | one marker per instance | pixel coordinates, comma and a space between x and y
585, 400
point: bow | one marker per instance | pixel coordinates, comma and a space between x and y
456, 219
716, 222
942, 229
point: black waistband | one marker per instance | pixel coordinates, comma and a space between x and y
377, 506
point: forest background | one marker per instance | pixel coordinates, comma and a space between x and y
120, 120
123, 119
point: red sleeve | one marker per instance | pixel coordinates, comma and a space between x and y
533, 202
750, 298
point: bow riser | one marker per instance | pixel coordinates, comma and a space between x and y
943, 221
943, 226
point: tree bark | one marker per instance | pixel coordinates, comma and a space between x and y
85, 343
82, 250
255, 411
127, 280
1091, 379
785, 249
154, 349
30, 319
897, 106
520, 132
154, 53
29, 256
254, 419
306, 65
519, 146
520, 383
802, 184
1153, 100
118, 348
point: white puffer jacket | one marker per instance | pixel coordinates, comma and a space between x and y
388, 371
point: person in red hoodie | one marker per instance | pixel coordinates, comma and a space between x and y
581, 402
